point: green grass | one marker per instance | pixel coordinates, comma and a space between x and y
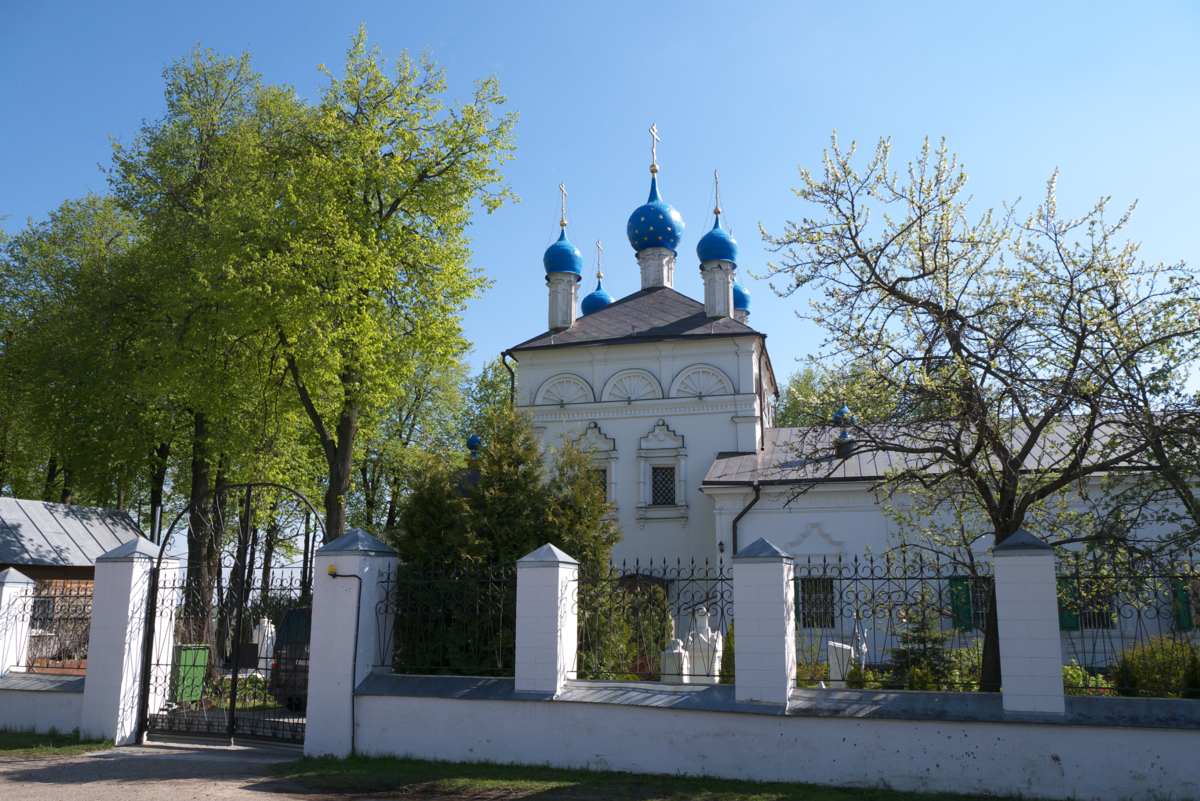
27, 743
361, 774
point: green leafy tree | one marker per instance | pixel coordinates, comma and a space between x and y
812, 395
1005, 342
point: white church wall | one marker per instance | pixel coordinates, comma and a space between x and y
650, 372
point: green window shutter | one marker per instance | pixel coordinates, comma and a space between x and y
1068, 604
1183, 604
960, 602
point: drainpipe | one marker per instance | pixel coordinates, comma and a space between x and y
749, 506
512, 377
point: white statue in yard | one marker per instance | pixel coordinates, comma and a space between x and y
673, 664
704, 650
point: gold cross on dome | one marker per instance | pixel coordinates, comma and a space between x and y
599, 257
563, 188
654, 147
717, 183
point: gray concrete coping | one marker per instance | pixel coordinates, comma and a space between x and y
41, 682
1152, 713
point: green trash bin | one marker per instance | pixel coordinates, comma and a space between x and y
187, 673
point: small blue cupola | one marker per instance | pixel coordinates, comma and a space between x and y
563, 257
843, 416
654, 224
597, 300
717, 244
741, 297
600, 298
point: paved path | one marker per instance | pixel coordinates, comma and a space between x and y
174, 772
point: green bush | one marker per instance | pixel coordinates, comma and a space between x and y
1081, 681
1191, 678
1157, 667
727, 653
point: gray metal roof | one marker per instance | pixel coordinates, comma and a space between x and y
777, 463
57, 535
649, 315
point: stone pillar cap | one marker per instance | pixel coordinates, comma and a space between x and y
357, 541
761, 551
140, 548
13, 576
546, 555
1022, 540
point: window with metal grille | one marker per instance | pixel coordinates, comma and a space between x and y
662, 486
969, 598
816, 603
601, 474
1082, 605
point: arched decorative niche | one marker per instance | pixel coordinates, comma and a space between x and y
564, 389
632, 385
700, 381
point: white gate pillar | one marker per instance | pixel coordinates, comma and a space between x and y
547, 624
346, 636
16, 594
116, 639
1027, 612
765, 645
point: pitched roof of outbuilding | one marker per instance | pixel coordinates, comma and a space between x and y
649, 315
57, 535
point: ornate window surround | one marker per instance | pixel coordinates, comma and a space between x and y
678, 389
603, 449
553, 391
662, 447
615, 388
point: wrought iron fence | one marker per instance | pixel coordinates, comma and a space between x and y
892, 622
59, 617
655, 622
449, 619
1130, 627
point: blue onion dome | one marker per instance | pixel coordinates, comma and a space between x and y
741, 295
563, 257
655, 224
843, 416
717, 245
473, 443
597, 300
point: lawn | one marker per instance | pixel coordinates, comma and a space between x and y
480, 780
26, 743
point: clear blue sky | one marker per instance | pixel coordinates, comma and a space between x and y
1105, 91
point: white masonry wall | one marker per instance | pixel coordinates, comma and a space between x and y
40, 710
1049, 761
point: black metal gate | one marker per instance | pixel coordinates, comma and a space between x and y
227, 634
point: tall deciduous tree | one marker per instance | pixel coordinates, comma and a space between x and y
1007, 343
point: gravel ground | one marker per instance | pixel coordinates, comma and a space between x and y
174, 771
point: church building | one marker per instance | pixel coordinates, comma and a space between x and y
676, 399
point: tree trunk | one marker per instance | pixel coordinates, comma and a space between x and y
202, 552
393, 502
68, 489
305, 566
158, 478
369, 488
337, 447
235, 594
52, 471
268, 553
339, 458
989, 673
